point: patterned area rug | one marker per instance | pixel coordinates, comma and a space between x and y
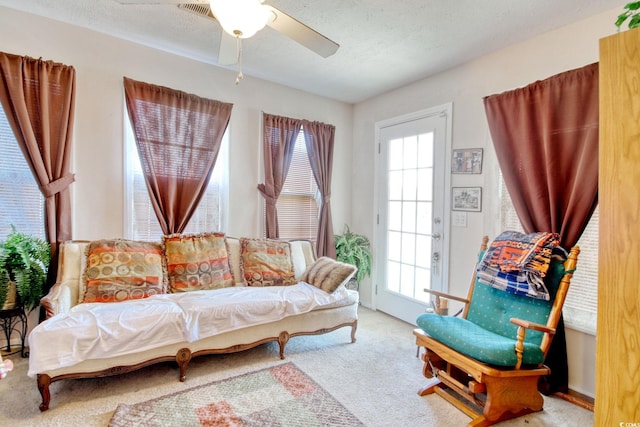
279, 396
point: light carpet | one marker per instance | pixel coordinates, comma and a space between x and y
279, 396
376, 379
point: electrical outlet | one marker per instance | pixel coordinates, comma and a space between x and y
459, 219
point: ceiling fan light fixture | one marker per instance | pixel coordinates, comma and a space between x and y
240, 18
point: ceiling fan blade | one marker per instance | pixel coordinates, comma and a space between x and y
161, 1
306, 36
228, 52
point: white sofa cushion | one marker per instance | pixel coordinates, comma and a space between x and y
95, 330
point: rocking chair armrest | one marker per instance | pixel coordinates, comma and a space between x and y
447, 296
532, 325
523, 325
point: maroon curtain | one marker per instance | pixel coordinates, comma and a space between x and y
178, 136
279, 137
38, 98
319, 139
546, 140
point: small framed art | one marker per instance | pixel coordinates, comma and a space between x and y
468, 160
467, 199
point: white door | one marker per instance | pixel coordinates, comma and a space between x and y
413, 211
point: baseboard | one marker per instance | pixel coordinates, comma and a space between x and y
579, 399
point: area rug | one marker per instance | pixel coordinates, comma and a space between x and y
278, 396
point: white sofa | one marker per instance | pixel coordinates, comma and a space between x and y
324, 315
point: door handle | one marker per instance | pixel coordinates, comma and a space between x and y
436, 236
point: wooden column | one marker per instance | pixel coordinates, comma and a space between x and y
618, 335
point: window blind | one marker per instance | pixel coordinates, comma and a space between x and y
142, 223
21, 202
581, 305
297, 206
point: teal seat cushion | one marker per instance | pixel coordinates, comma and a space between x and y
474, 341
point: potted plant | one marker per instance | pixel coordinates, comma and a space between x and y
632, 10
24, 261
354, 249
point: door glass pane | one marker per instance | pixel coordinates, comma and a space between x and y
423, 277
395, 185
425, 184
423, 223
393, 245
423, 251
407, 280
409, 217
409, 184
408, 254
395, 216
410, 152
425, 150
395, 154
393, 276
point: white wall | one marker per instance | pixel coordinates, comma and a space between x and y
101, 62
569, 47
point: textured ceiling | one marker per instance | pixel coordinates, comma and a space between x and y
384, 44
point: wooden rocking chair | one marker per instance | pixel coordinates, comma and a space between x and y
488, 361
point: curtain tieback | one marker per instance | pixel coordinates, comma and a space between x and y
269, 199
54, 187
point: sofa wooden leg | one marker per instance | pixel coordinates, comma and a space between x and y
44, 381
183, 357
283, 339
354, 326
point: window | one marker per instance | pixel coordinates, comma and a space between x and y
581, 304
141, 220
297, 205
21, 202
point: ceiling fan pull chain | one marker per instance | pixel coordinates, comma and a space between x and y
240, 75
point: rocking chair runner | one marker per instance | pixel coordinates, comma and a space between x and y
488, 362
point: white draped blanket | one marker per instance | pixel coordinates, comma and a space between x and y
100, 330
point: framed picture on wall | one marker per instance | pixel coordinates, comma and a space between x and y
467, 199
468, 160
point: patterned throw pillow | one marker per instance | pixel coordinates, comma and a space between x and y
119, 270
197, 261
328, 274
266, 262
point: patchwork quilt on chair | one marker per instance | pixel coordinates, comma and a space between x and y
517, 263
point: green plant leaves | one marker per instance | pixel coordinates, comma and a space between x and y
25, 260
635, 5
634, 22
354, 249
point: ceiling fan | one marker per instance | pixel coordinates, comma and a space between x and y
243, 18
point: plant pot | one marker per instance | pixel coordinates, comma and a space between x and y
353, 284
11, 301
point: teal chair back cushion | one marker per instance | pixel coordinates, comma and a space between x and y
493, 308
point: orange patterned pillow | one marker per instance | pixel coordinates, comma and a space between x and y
119, 270
266, 262
197, 261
